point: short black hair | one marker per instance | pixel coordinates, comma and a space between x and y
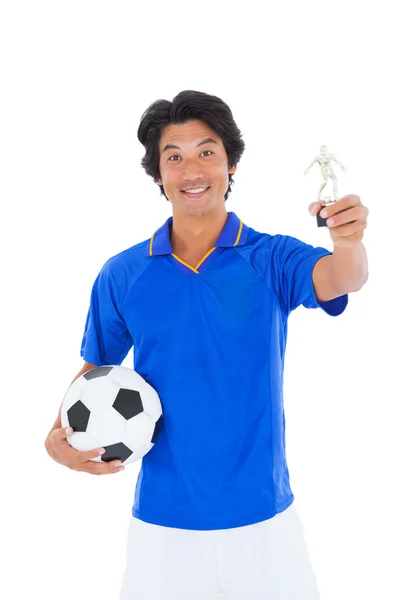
186, 106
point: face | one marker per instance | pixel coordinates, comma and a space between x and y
193, 164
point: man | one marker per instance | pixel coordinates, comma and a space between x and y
205, 303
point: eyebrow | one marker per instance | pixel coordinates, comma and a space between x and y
208, 140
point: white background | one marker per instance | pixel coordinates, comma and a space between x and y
75, 79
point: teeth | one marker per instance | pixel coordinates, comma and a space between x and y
196, 191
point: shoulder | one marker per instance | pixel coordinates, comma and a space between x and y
127, 264
258, 241
128, 253
278, 251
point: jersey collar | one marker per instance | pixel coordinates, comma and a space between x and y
234, 233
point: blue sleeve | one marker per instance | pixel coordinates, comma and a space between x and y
293, 264
106, 339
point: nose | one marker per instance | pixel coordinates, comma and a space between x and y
193, 170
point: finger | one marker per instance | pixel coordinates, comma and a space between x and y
73, 456
90, 454
103, 468
83, 455
315, 207
59, 437
117, 467
345, 230
346, 216
86, 457
64, 433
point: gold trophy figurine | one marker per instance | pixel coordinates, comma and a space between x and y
325, 158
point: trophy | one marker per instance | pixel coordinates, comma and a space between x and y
325, 159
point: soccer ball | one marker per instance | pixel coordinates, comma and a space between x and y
114, 408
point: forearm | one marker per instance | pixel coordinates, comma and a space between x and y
349, 267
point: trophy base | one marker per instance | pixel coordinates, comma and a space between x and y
321, 222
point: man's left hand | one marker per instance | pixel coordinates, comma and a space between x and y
349, 219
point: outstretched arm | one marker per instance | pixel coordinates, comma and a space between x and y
346, 270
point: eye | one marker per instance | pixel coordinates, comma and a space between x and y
178, 155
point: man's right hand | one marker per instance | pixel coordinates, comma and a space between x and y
76, 460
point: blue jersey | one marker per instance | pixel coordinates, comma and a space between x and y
211, 340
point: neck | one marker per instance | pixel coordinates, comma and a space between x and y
196, 234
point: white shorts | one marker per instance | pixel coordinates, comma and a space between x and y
268, 560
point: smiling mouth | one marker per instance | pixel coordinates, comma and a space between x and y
198, 195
